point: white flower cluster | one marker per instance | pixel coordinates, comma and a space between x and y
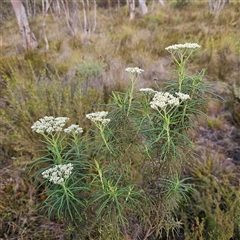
161, 100
99, 117
58, 174
49, 124
134, 70
182, 96
147, 90
75, 129
182, 46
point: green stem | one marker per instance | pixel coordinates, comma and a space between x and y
184, 113
101, 128
65, 189
181, 78
180, 62
53, 143
100, 174
166, 127
130, 94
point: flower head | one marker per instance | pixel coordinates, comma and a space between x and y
75, 129
49, 124
99, 117
182, 96
182, 46
134, 70
147, 90
161, 100
58, 174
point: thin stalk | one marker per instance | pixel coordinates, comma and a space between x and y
131, 94
53, 142
101, 128
65, 189
180, 62
166, 127
100, 174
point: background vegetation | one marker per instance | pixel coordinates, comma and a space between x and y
77, 73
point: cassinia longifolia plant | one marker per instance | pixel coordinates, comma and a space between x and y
128, 166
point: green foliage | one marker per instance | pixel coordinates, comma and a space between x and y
88, 70
64, 198
215, 123
36, 60
112, 201
158, 20
127, 168
214, 212
37, 95
177, 189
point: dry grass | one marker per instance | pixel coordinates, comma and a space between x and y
118, 43
142, 41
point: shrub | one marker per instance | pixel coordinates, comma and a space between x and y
127, 167
214, 212
89, 72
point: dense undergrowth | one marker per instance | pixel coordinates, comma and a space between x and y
76, 77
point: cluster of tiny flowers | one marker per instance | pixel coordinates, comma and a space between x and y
49, 124
183, 46
182, 96
75, 129
99, 117
134, 70
58, 174
147, 90
161, 100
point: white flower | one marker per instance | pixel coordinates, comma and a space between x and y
105, 121
173, 101
182, 96
49, 124
182, 46
59, 173
99, 117
155, 105
75, 129
161, 100
147, 90
134, 70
